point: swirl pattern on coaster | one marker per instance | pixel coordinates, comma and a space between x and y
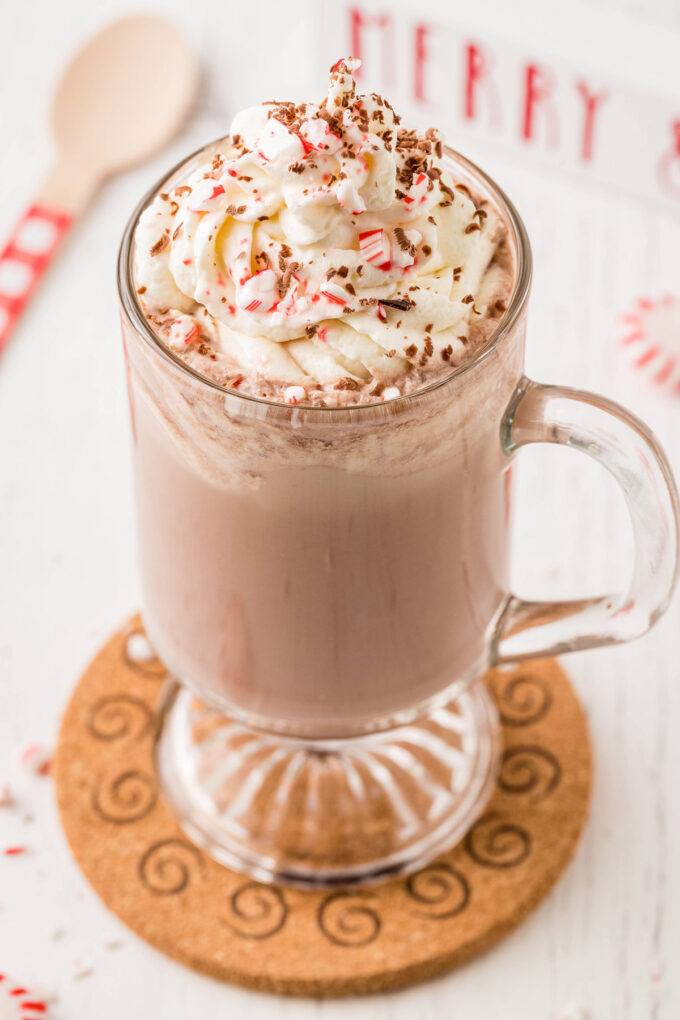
527, 768
188, 906
442, 891
119, 717
169, 865
523, 699
257, 911
349, 919
130, 797
496, 843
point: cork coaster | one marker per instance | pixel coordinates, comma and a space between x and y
317, 943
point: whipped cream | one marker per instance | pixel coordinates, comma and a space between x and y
325, 254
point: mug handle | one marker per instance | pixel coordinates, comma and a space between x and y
629, 451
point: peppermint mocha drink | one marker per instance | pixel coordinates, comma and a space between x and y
321, 490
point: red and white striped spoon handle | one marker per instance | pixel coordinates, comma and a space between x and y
24, 260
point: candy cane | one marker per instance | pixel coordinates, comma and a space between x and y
375, 247
17, 1003
650, 339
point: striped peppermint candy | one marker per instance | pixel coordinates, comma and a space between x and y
374, 245
650, 337
17, 1003
258, 293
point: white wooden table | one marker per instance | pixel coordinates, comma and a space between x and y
608, 937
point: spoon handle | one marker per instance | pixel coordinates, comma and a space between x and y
25, 258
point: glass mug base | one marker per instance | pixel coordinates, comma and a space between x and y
332, 812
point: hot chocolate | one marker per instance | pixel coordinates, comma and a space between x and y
321, 565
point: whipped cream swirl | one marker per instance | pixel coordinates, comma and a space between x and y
325, 253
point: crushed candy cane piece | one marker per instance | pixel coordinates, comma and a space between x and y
334, 293
258, 292
18, 1003
316, 134
390, 393
183, 331
36, 759
417, 193
375, 247
294, 394
205, 195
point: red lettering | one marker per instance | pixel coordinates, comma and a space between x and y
591, 101
358, 21
419, 63
669, 164
475, 70
477, 65
538, 88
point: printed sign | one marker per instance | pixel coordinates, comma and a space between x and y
486, 91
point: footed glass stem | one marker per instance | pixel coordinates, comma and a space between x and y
324, 813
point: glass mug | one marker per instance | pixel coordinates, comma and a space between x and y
327, 586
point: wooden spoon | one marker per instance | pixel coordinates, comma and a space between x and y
120, 99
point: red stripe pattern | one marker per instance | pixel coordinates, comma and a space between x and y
25, 258
650, 336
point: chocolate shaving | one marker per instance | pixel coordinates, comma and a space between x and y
160, 245
468, 299
184, 189
403, 304
347, 384
411, 351
284, 283
403, 241
447, 352
310, 330
471, 227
